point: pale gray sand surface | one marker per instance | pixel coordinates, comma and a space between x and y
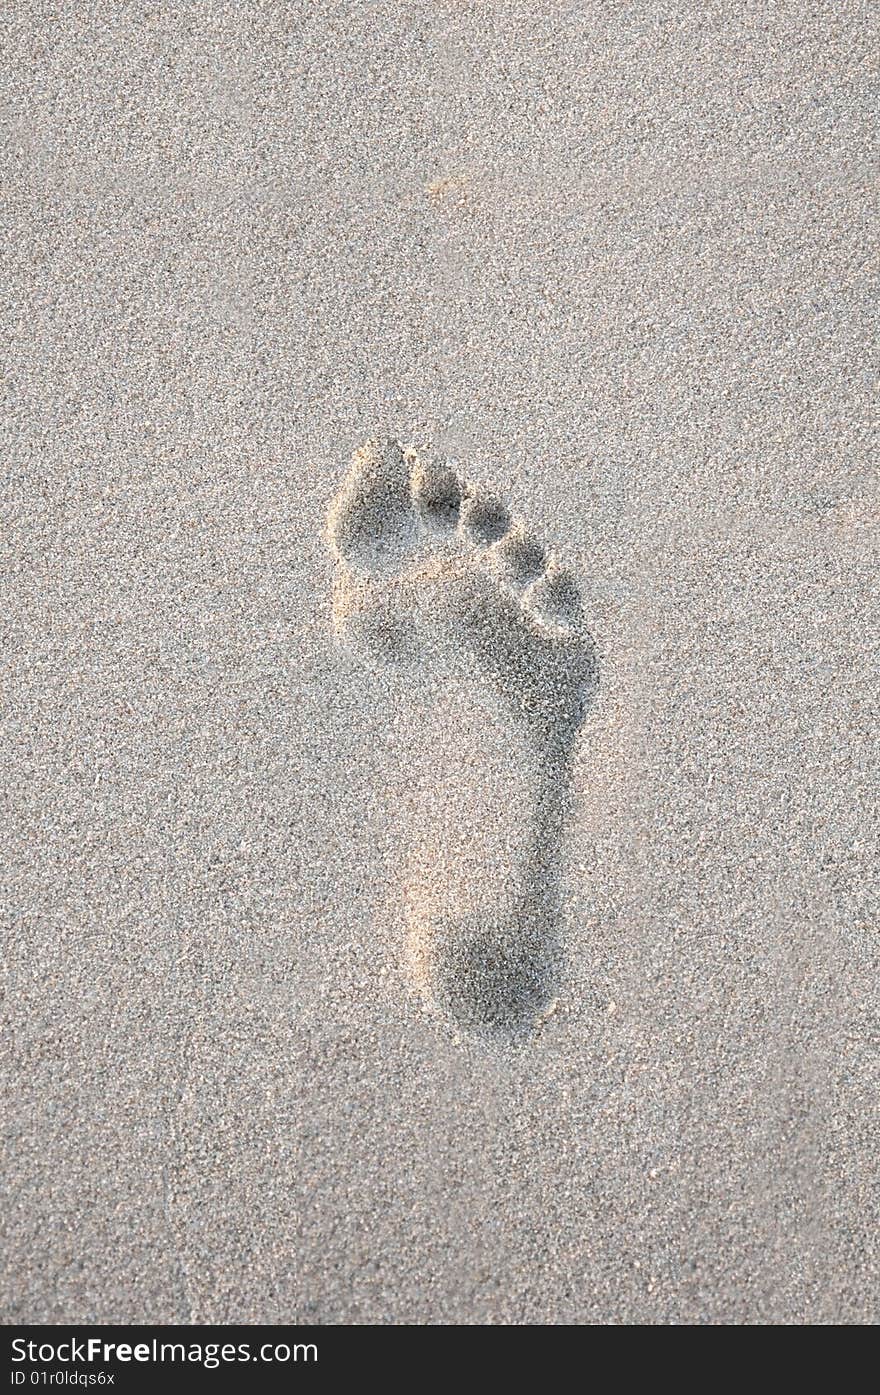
621, 262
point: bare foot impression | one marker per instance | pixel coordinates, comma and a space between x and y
486, 631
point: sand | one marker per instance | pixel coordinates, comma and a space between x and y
615, 268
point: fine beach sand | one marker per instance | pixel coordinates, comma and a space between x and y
440, 643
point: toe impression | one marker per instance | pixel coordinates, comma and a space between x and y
373, 521
484, 520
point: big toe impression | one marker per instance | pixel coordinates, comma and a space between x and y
373, 523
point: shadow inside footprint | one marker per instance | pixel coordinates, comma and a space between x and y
548, 683
492, 978
497, 977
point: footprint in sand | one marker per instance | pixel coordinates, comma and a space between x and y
486, 628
